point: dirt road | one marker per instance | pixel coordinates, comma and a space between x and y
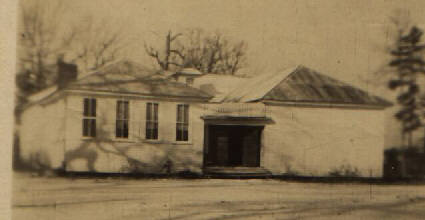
36, 198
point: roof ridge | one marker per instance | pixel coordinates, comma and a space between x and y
297, 67
267, 83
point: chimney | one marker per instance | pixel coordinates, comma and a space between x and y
67, 72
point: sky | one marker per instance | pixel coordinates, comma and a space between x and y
347, 40
344, 39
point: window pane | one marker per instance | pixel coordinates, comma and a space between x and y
178, 134
122, 110
182, 123
85, 128
93, 107
93, 128
148, 133
155, 133
148, 111
89, 124
118, 129
186, 113
86, 107
185, 135
155, 111
151, 121
179, 113
118, 109
125, 129
125, 106
122, 119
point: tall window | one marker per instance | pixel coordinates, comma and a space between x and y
182, 125
89, 117
121, 129
152, 121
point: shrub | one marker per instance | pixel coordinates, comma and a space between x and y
345, 170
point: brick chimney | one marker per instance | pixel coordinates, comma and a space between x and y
67, 72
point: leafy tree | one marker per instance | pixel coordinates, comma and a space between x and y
408, 62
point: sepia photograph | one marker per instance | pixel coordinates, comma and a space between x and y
188, 109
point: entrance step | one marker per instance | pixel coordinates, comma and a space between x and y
237, 172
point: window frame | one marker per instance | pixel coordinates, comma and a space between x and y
89, 129
152, 121
122, 119
183, 123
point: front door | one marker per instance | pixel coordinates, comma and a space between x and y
231, 145
251, 147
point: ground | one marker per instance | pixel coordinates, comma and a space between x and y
46, 198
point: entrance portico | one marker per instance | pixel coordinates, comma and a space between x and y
232, 145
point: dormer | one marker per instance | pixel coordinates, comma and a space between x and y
187, 75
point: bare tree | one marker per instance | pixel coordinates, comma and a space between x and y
209, 53
39, 42
164, 60
97, 43
45, 33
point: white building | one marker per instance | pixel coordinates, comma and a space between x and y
124, 118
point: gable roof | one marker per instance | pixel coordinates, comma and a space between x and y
125, 77
257, 87
302, 84
219, 85
132, 78
307, 85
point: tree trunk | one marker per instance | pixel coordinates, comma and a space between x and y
167, 50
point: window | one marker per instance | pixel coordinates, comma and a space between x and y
152, 121
182, 124
89, 117
121, 129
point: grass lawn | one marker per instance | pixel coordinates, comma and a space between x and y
54, 198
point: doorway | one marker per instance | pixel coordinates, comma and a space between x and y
233, 145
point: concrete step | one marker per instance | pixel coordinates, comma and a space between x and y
254, 172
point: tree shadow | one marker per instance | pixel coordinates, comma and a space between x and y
162, 157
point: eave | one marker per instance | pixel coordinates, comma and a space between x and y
325, 105
136, 95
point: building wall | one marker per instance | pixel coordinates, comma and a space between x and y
42, 135
105, 153
302, 140
315, 141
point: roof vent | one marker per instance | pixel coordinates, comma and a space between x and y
187, 75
